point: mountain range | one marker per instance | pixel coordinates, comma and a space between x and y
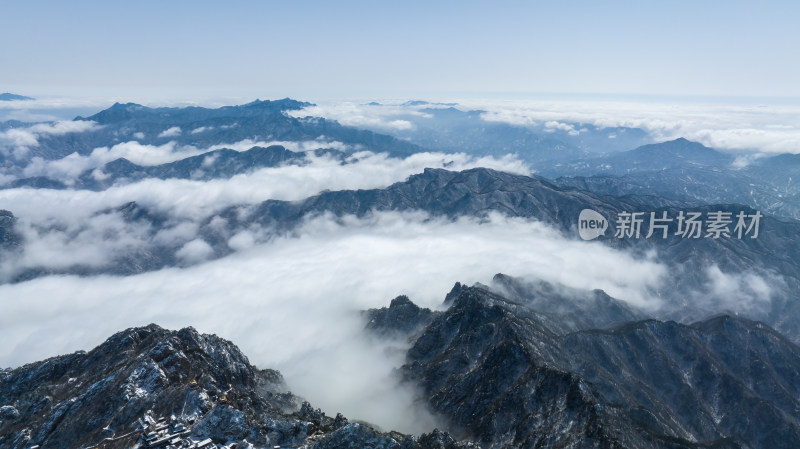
451, 128
204, 127
517, 363
477, 192
688, 171
524, 372
498, 370
13, 97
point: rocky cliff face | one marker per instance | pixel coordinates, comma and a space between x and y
77, 399
402, 318
82, 399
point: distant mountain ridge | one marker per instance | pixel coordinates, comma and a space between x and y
202, 127
672, 154
688, 171
14, 97
678, 169
450, 127
126, 112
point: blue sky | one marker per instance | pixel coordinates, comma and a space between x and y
349, 49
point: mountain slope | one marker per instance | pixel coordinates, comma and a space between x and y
67, 401
492, 366
678, 153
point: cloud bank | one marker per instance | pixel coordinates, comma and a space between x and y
292, 303
727, 125
187, 198
359, 115
768, 128
65, 225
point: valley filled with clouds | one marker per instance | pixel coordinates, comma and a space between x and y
417, 225
278, 238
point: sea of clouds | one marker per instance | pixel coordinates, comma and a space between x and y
744, 126
293, 302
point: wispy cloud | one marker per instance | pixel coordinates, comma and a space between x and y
747, 292
68, 168
553, 125
17, 141
202, 129
171, 132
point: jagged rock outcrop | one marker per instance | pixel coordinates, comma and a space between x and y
81, 399
67, 401
401, 318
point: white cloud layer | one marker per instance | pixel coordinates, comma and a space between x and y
381, 117
187, 199
726, 125
64, 228
171, 132
768, 128
293, 303
68, 168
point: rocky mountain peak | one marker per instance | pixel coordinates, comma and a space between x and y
401, 319
149, 386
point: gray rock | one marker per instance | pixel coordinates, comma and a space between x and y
8, 412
